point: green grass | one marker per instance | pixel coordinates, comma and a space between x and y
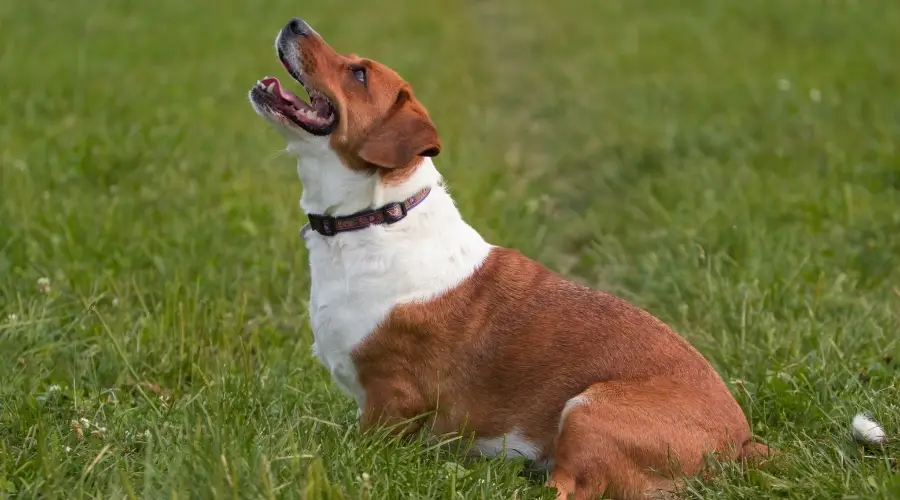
731, 166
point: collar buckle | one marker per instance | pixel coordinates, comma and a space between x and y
323, 225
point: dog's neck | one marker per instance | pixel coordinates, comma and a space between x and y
426, 253
330, 188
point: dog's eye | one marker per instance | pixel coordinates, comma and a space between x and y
359, 73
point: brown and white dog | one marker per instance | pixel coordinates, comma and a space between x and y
414, 313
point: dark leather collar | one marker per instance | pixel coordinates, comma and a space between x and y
387, 214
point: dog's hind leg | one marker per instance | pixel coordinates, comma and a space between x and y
633, 439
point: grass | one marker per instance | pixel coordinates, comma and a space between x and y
731, 166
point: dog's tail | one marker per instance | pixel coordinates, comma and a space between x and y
864, 430
867, 431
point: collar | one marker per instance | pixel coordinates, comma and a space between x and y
386, 214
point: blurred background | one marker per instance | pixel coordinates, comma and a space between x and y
730, 166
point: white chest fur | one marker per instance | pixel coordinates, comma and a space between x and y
358, 277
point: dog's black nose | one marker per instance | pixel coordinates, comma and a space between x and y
298, 27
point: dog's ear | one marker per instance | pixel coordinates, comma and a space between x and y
405, 133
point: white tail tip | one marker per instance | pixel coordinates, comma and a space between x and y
867, 431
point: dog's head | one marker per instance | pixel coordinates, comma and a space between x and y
364, 110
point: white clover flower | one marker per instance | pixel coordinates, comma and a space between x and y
44, 285
366, 481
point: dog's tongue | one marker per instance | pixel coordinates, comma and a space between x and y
277, 90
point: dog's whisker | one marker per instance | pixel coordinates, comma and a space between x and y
276, 154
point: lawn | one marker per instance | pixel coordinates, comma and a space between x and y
731, 166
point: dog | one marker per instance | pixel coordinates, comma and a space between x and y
414, 313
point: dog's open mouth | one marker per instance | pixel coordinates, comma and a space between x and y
318, 116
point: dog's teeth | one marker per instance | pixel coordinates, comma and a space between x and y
271, 88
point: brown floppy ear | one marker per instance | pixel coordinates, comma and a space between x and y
406, 133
